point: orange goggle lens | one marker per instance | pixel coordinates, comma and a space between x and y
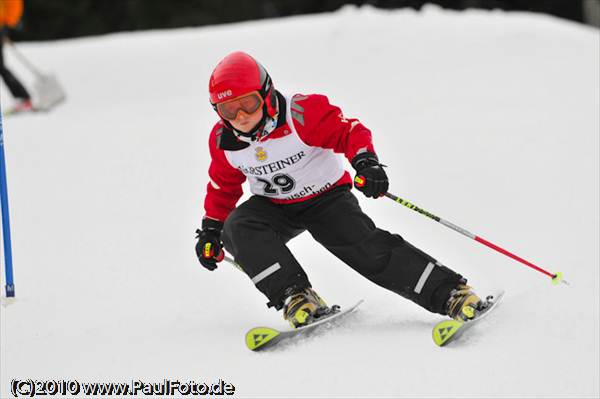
249, 103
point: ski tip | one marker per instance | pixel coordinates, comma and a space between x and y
257, 338
558, 278
444, 330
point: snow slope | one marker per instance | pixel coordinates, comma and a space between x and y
487, 119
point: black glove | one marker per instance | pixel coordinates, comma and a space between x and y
370, 177
209, 247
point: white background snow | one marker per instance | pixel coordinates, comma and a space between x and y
488, 119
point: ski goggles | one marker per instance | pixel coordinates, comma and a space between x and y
249, 103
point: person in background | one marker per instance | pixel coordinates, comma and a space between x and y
11, 12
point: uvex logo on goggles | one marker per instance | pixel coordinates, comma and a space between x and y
249, 103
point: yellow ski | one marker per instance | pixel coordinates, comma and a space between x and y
259, 338
447, 331
444, 330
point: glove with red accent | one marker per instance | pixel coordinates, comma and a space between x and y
370, 177
209, 247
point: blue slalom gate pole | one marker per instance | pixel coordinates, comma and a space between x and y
10, 285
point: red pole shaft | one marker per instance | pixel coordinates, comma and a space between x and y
469, 234
511, 255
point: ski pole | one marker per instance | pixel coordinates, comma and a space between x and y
8, 263
24, 60
233, 263
556, 277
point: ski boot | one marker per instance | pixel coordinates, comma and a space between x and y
301, 306
463, 304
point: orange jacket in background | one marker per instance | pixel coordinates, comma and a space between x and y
11, 12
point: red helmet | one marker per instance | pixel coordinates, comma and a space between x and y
239, 74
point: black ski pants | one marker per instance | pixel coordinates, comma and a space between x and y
13, 84
257, 231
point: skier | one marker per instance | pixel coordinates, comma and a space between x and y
10, 16
290, 150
